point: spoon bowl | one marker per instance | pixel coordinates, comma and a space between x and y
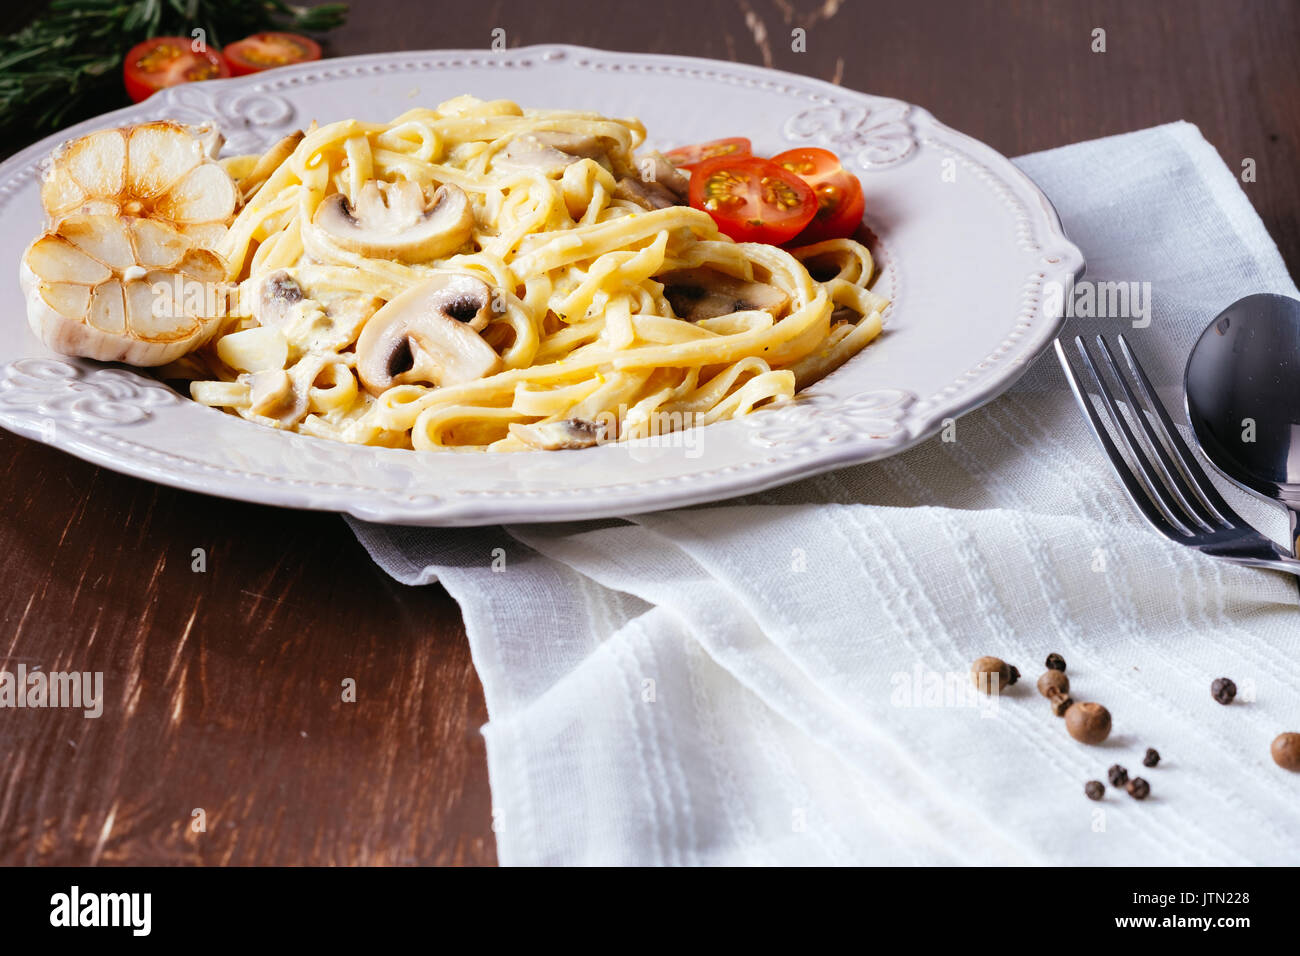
1242, 387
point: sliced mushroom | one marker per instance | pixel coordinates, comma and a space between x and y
429, 334
704, 293
650, 195
284, 394
667, 175
279, 293
554, 436
270, 392
391, 220
551, 151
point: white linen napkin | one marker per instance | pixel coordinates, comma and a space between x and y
762, 680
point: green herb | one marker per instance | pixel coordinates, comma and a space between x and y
67, 64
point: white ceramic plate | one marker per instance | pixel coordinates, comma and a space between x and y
965, 243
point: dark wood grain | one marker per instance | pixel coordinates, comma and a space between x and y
224, 687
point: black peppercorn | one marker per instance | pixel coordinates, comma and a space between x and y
1055, 662
1138, 788
1223, 690
1118, 776
1094, 789
1152, 758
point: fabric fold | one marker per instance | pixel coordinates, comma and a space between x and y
783, 678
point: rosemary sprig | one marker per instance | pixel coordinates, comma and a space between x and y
66, 64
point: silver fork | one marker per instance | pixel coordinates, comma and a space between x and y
1162, 477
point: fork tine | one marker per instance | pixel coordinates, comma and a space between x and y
1162, 522
1157, 491
1166, 468
1195, 474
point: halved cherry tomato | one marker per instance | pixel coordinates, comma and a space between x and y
166, 61
262, 51
839, 193
752, 199
687, 157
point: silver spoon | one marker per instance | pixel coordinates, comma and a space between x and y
1243, 398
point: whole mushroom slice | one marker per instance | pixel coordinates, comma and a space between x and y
283, 394
647, 194
655, 167
270, 392
704, 293
429, 335
551, 151
559, 435
392, 221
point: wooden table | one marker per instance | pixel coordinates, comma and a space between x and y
224, 686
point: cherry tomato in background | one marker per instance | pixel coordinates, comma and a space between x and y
167, 61
840, 202
752, 199
263, 51
687, 157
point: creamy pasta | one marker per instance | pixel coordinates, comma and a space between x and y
482, 276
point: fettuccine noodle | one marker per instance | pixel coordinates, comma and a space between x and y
588, 343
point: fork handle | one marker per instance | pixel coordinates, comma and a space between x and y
1293, 516
1287, 565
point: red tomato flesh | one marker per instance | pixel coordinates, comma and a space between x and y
263, 51
688, 157
752, 199
840, 202
167, 61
